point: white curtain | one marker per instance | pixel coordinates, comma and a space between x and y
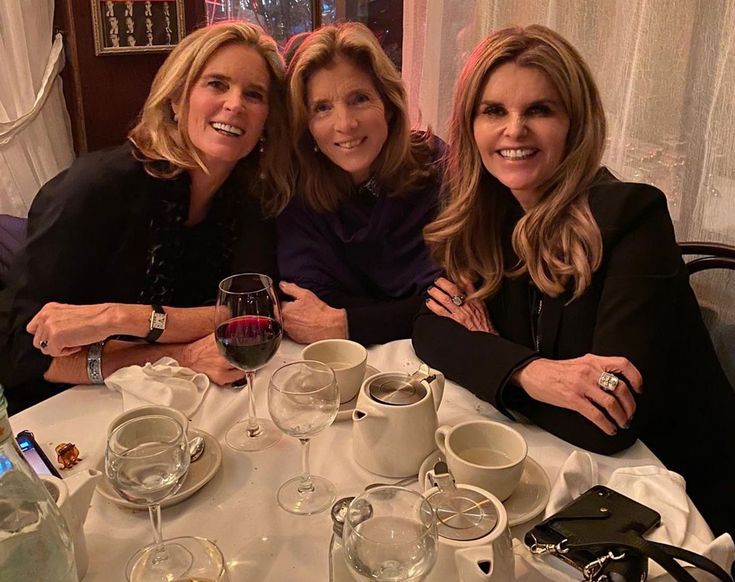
666, 71
35, 133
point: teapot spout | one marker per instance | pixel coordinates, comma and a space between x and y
81, 487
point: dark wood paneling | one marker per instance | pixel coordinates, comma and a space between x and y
105, 93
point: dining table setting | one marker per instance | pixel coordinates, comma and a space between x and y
296, 475
230, 497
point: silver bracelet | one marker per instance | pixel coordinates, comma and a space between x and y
94, 363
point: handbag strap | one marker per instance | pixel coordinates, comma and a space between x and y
662, 554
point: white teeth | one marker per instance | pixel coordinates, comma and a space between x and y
225, 128
348, 145
517, 154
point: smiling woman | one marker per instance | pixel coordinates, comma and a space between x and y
573, 305
350, 246
132, 241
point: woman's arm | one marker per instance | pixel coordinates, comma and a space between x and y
201, 356
65, 329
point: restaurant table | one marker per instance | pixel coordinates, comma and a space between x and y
237, 509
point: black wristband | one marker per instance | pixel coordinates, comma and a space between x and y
157, 324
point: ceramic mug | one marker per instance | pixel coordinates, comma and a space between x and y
148, 410
484, 453
348, 360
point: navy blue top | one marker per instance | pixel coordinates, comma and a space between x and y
368, 257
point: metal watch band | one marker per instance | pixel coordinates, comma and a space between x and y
157, 324
94, 363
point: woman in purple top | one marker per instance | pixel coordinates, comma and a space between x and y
350, 251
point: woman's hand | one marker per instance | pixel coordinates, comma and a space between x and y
61, 330
203, 356
471, 313
573, 384
307, 318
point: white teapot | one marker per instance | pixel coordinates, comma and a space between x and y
395, 419
73, 495
474, 539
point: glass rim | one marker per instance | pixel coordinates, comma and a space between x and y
172, 441
268, 283
326, 368
424, 505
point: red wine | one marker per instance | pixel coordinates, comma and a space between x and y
250, 341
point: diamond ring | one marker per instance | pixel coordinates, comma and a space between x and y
608, 382
458, 300
43, 344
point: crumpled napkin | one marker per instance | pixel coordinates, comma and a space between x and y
656, 487
164, 382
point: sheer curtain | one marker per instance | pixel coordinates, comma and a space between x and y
666, 71
35, 132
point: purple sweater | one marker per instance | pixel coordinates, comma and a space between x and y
368, 257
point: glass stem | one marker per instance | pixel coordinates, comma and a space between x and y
253, 426
306, 485
154, 511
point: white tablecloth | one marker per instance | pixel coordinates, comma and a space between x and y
238, 509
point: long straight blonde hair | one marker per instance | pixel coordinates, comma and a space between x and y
557, 241
404, 162
162, 139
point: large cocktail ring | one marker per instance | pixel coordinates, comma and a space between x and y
458, 300
608, 382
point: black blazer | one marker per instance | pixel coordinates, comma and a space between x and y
90, 235
640, 306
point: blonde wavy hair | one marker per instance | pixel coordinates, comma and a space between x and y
557, 241
404, 162
162, 139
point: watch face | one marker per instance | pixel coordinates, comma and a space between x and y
158, 321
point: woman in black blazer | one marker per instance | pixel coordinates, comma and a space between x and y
566, 298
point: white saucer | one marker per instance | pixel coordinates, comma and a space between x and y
346, 408
200, 473
528, 500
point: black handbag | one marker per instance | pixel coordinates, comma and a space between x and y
601, 534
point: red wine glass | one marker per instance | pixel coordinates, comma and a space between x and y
248, 332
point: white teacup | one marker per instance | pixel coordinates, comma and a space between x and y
177, 415
487, 454
348, 360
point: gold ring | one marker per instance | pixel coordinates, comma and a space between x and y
608, 382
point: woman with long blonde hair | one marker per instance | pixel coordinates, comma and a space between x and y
132, 241
565, 296
350, 246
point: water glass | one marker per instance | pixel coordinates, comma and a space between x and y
390, 535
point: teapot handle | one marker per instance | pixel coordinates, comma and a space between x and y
436, 385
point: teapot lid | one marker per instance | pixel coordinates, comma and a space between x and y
462, 514
396, 390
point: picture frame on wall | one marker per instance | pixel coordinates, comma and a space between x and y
137, 26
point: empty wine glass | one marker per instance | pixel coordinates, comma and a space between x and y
390, 535
303, 399
248, 333
146, 459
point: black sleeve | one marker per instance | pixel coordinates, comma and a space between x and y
481, 362
74, 224
374, 321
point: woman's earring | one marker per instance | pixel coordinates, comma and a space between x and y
176, 117
261, 141
316, 148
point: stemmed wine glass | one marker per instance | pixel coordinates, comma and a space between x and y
303, 399
146, 459
390, 534
248, 333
